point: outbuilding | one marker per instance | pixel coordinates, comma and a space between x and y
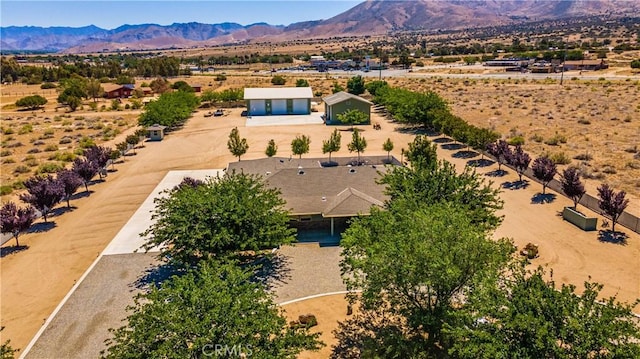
342, 102
118, 91
265, 101
156, 132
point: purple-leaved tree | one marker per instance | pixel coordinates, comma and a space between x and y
16, 220
611, 203
44, 192
71, 181
99, 156
519, 160
500, 151
544, 169
85, 169
572, 185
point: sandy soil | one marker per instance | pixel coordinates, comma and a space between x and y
35, 280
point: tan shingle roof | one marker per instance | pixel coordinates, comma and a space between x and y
309, 188
343, 96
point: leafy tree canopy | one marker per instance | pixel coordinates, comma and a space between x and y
32, 102
300, 145
236, 145
235, 212
171, 109
216, 306
302, 83
353, 117
355, 85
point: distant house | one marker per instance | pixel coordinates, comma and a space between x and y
156, 132
322, 199
146, 91
509, 62
586, 65
278, 101
196, 87
117, 91
341, 102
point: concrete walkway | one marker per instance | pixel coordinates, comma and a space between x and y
128, 240
315, 118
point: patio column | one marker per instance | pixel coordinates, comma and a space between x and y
331, 226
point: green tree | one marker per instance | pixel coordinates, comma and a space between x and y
635, 64
373, 86
272, 148
358, 143
73, 90
6, 351
300, 145
236, 145
355, 85
388, 146
422, 153
302, 83
160, 85
336, 87
278, 80
353, 117
125, 80
132, 141
414, 267
219, 304
235, 212
526, 316
182, 86
171, 109
332, 144
32, 102
94, 89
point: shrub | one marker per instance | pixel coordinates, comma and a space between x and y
537, 138
51, 147
86, 142
34, 150
609, 170
583, 121
25, 129
5, 153
21, 169
30, 161
516, 140
62, 157
278, 80
221, 77
8, 160
49, 167
560, 158
556, 140
65, 140
583, 157
635, 64
5, 190
7, 131
48, 85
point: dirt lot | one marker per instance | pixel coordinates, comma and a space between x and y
36, 279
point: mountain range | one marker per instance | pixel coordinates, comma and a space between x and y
368, 18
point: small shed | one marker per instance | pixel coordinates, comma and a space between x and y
156, 132
196, 87
341, 102
278, 101
113, 91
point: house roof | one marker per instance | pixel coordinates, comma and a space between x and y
111, 87
311, 189
277, 93
584, 62
343, 96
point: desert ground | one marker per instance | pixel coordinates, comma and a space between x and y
35, 280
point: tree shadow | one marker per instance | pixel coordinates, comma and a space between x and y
515, 185
465, 154
442, 140
82, 194
111, 170
483, 162
155, 275
6, 251
610, 236
329, 164
42, 227
540, 198
496, 173
453, 146
272, 270
62, 210
412, 130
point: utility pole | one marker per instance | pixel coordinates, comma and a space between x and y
564, 59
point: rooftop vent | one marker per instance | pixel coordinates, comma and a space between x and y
300, 172
352, 170
324, 199
268, 173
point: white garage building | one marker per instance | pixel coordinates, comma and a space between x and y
265, 101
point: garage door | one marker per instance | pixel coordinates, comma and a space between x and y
278, 107
300, 107
258, 108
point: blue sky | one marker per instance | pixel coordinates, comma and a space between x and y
111, 14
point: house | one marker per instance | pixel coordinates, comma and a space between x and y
146, 91
321, 199
341, 102
156, 132
278, 101
196, 87
586, 65
117, 91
